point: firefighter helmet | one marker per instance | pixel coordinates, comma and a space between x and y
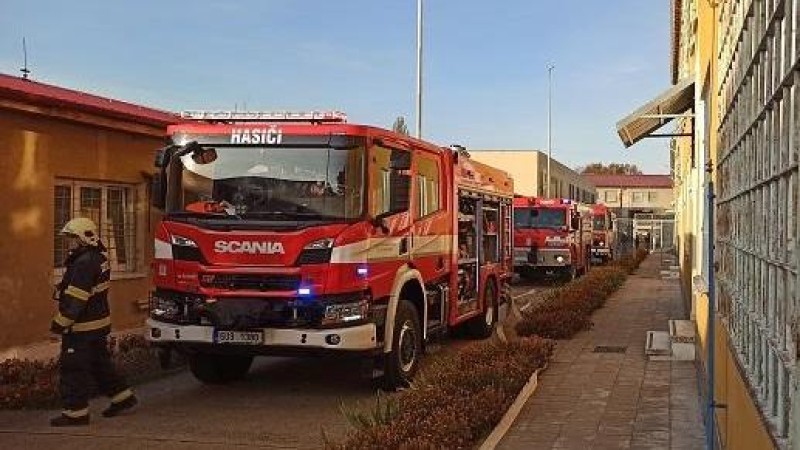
84, 229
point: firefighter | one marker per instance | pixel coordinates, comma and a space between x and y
83, 323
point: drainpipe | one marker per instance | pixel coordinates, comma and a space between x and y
711, 405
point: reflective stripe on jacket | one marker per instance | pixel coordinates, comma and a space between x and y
83, 294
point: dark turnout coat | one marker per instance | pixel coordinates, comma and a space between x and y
82, 294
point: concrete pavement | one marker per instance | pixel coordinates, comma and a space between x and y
614, 397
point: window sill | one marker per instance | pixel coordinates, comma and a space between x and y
127, 275
58, 274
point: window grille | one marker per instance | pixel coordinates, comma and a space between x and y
759, 98
113, 207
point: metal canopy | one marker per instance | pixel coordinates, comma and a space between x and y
672, 103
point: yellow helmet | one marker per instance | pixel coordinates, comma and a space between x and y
84, 229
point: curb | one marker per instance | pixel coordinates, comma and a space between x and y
46, 350
510, 416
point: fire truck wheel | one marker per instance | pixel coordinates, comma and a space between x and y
402, 363
219, 369
482, 326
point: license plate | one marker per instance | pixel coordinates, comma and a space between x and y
239, 337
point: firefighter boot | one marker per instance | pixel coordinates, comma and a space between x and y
117, 407
65, 420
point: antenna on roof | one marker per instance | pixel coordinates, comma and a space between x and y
24, 68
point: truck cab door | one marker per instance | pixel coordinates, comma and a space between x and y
389, 200
431, 239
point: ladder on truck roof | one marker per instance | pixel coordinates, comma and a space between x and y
265, 116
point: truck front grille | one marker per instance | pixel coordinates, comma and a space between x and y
248, 282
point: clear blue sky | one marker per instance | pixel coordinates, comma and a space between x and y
485, 62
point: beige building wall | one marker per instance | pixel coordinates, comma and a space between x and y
657, 199
529, 170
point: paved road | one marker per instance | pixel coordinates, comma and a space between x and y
526, 293
283, 403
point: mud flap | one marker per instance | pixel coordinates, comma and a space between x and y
372, 367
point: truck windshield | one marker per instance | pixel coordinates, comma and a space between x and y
599, 222
273, 183
539, 218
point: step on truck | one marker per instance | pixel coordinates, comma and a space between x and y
552, 238
603, 240
302, 234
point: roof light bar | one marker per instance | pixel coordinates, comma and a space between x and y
266, 116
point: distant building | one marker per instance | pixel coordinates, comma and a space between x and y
529, 170
63, 154
635, 194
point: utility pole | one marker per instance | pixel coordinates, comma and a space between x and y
549, 124
419, 70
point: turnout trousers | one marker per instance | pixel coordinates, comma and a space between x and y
86, 362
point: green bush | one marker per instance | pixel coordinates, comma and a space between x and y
455, 401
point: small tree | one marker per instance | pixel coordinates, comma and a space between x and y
610, 169
400, 126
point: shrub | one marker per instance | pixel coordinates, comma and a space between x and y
630, 262
567, 310
26, 384
454, 402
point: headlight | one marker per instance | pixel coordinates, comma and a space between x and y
181, 241
317, 252
345, 312
602, 244
559, 259
321, 244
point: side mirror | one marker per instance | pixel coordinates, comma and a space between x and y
158, 191
162, 158
200, 154
576, 222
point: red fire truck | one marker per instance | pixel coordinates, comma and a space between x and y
602, 233
298, 233
552, 237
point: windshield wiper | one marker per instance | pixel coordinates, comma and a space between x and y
204, 215
293, 215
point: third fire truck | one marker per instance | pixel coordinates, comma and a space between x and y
552, 237
298, 233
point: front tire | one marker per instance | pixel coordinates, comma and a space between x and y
219, 369
403, 361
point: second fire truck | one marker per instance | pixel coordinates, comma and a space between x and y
302, 234
552, 237
603, 240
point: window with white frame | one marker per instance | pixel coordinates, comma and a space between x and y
652, 196
610, 196
111, 206
637, 197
